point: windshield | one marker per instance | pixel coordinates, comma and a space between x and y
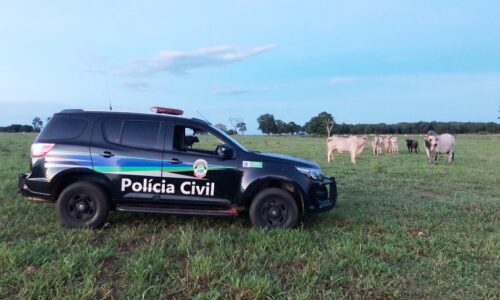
228, 137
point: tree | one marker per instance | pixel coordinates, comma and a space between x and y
37, 124
26, 128
242, 127
235, 121
293, 128
221, 127
318, 124
280, 127
267, 124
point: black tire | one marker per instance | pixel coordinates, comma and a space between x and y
82, 205
274, 208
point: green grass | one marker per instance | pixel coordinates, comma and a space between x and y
402, 229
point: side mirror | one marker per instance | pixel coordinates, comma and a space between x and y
224, 152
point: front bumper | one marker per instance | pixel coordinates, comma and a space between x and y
322, 196
24, 190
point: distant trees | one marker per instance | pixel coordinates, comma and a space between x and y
320, 124
238, 124
417, 128
293, 128
324, 124
242, 127
17, 128
37, 124
267, 124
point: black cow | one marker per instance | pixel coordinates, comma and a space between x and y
190, 140
412, 145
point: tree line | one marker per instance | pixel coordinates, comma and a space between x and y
36, 126
324, 124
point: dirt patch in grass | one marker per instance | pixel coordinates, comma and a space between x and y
417, 233
107, 279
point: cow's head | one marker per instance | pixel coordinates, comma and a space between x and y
433, 142
364, 139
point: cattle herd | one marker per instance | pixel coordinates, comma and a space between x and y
434, 144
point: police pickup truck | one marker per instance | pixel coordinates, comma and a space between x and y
89, 163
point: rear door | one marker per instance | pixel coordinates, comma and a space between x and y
129, 153
194, 174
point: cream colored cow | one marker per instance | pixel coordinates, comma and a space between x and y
377, 145
439, 144
387, 143
352, 144
394, 145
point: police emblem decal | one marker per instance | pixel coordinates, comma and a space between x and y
200, 168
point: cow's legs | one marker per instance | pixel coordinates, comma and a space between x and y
329, 156
353, 157
451, 156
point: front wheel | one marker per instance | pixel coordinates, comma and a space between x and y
274, 208
82, 205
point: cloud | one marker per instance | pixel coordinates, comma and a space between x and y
179, 62
136, 85
233, 92
341, 80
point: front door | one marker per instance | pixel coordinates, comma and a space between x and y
193, 171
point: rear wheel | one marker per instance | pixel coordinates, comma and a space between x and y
274, 208
82, 205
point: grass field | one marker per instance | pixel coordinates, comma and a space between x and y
402, 229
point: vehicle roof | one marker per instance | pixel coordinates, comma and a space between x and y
92, 114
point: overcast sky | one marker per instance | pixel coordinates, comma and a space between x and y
362, 61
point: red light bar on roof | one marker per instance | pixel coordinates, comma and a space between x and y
167, 111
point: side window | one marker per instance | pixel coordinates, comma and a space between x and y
140, 134
194, 139
112, 130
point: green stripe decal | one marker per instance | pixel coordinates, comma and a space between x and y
107, 169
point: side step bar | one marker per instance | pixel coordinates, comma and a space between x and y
231, 212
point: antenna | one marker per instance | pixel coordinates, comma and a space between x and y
107, 92
203, 117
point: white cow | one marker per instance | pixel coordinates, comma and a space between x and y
352, 144
394, 145
387, 143
377, 145
439, 144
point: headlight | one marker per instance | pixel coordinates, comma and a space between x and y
311, 173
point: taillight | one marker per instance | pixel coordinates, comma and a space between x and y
40, 149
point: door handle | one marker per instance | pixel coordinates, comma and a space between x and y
107, 154
174, 161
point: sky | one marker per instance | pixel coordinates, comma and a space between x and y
362, 61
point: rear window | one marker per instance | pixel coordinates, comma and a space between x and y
139, 134
63, 128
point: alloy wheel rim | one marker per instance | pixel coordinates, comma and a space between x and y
274, 212
81, 207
